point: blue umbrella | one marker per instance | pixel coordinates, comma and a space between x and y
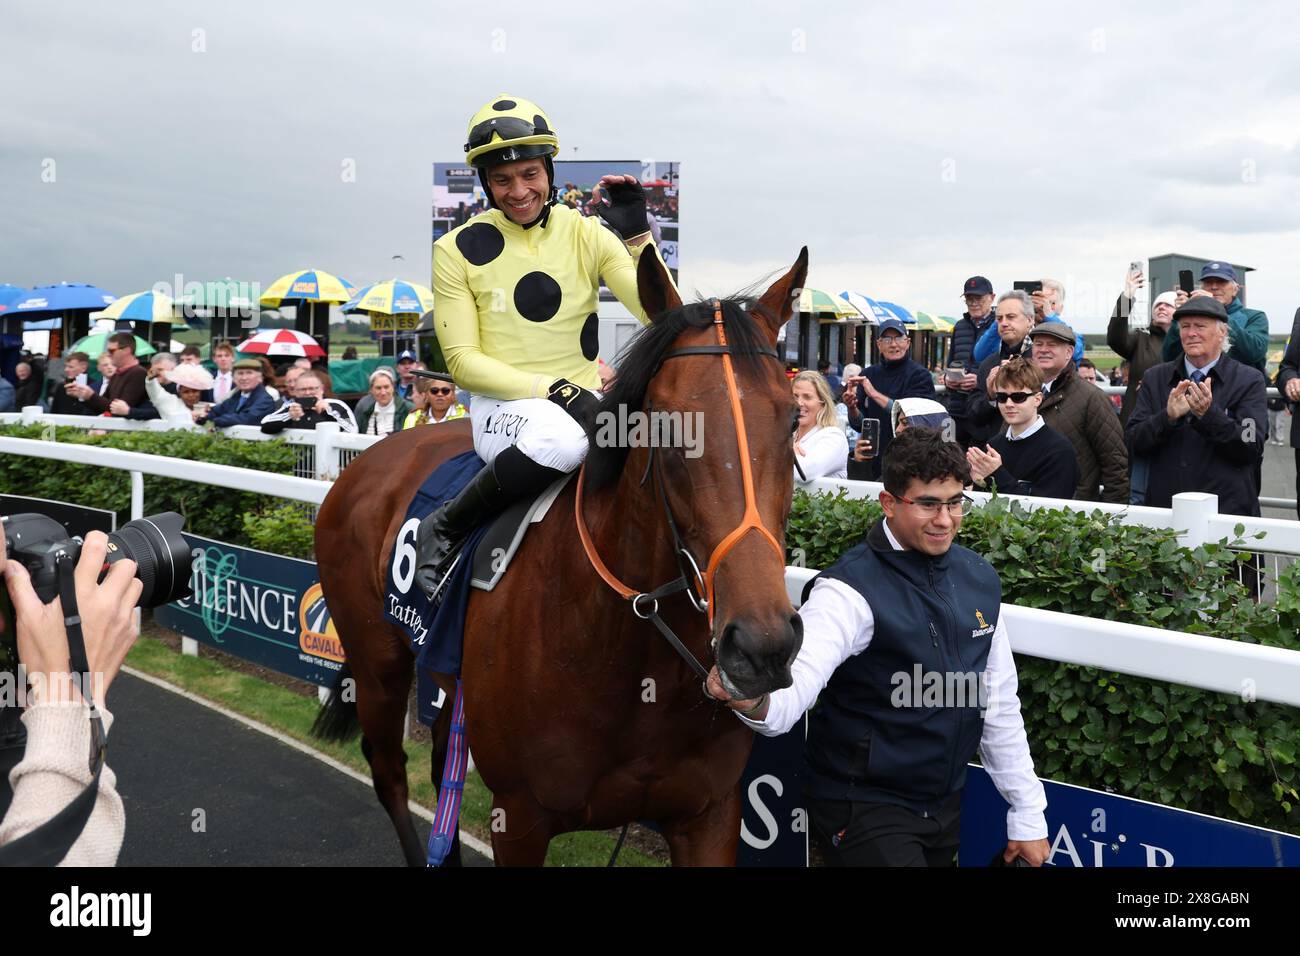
900, 313
46, 300
8, 293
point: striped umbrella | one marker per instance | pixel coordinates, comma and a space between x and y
929, 322
282, 342
392, 297
141, 307
817, 302
308, 285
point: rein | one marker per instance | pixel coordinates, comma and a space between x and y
698, 585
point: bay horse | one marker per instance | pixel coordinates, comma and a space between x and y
579, 714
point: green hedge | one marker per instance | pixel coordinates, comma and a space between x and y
235, 517
1199, 750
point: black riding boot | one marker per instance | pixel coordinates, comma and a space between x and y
511, 476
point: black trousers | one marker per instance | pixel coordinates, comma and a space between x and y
882, 834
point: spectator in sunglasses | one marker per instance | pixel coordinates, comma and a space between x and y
1029, 457
434, 396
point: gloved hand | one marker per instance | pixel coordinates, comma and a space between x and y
575, 400
626, 209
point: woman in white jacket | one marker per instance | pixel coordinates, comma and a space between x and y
820, 446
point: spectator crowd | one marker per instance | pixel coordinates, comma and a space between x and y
1029, 411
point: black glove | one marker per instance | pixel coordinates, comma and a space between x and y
575, 400
626, 209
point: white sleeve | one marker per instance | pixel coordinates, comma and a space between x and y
827, 452
837, 623
1004, 746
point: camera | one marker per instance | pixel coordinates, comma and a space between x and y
155, 544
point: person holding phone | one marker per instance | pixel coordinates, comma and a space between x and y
1047, 296
63, 399
308, 408
1247, 328
895, 376
1142, 347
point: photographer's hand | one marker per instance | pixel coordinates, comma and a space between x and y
107, 623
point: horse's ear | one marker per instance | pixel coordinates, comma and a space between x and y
654, 286
777, 303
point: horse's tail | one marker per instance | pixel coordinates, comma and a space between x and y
337, 720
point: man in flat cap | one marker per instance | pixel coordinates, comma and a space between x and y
1201, 419
1082, 414
247, 405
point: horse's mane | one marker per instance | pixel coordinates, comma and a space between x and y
639, 360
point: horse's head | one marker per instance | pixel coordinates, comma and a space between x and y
719, 408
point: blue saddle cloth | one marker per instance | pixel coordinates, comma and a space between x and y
437, 632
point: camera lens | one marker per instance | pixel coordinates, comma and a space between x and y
161, 556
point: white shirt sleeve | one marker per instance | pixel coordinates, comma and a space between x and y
826, 454
837, 623
1004, 746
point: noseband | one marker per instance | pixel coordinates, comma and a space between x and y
698, 585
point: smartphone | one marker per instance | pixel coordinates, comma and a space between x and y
1136, 267
1029, 287
953, 374
868, 445
81, 379
1185, 281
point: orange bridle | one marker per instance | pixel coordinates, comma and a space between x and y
701, 589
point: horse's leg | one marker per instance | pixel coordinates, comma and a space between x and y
383, 688
709, 839
521, 830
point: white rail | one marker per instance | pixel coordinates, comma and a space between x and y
1195, 515
1252, 671
1191, 659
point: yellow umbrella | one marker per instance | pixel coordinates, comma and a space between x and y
308, 285
141, 307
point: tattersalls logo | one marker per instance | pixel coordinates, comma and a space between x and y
985, 627
318, 636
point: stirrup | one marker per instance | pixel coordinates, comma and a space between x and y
435, 597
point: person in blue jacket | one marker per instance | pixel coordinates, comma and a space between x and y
1247, 328
1047, 308
248, 404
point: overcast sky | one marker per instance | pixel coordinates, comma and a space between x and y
907, 145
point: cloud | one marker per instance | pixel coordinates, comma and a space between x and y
908, 149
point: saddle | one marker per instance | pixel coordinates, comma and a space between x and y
495, 551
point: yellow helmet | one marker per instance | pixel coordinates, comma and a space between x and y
509, 128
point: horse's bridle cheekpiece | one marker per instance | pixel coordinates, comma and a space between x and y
697, 585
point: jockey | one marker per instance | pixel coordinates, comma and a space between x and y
515, 299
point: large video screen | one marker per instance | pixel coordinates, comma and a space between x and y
458, 196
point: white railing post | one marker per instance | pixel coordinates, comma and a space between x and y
32, 414
327, 452
1193, 510
137, 495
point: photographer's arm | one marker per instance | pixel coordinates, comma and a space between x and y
55, 766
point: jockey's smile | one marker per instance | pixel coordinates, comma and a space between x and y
520, 189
